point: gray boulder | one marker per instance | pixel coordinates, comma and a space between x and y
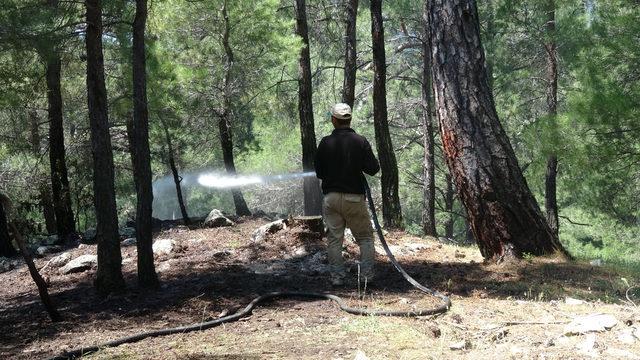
60, 260
7, 264
44, 250
128, 242
127, 232
89, 236
79, 264
261, 233
51, 240
164, 246
217, 219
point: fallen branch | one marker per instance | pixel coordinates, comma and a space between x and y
37, 278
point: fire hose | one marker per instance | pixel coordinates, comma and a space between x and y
443, 307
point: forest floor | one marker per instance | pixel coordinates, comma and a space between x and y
516, 310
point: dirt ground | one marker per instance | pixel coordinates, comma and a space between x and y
518, 310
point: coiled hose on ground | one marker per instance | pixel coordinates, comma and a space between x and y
446, 303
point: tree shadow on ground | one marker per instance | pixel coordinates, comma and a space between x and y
200, 291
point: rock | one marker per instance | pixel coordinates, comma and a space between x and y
458, 255
127, 232
128, 242
6, 264
89, 236
360, 355
588, 345
217, 219
590, 323
44, 250
163, 267
164, 246
261, 233
60, 260
51, 240
460, 345
315, 264
572, 301
79, 264
626, 336
613, 353
596, 262
221, 254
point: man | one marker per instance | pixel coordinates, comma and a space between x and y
341, 159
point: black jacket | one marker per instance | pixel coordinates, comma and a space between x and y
341, 159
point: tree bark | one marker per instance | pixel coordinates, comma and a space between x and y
65, 223
350, 56
428, 167
551, 203
311, 185
109, 275
391, 211
502, 212
44, 189
6, 248
449, 198
177, 179
140, 154
224, 122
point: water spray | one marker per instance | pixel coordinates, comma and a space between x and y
218, 181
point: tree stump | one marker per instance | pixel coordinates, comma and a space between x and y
313, 223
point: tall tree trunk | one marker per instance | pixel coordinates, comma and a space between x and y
503, 214
391, 211
59, 180
311, 185
177, 179
350, 59
6, 248
428, 167
46, 202
140, 155
109, 275
224, 123
449, 198
551, 203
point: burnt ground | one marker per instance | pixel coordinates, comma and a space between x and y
516, 310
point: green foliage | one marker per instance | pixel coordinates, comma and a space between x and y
595, 133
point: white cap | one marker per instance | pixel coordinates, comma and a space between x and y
341, 111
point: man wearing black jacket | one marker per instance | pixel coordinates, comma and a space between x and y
340, 161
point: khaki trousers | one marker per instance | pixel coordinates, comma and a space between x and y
348, 210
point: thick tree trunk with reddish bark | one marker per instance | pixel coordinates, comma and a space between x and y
503, 214
224, 122
391, 211
551, 203
140, 153
311, 185
65, 223
109, 275
350, 64
428, 167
